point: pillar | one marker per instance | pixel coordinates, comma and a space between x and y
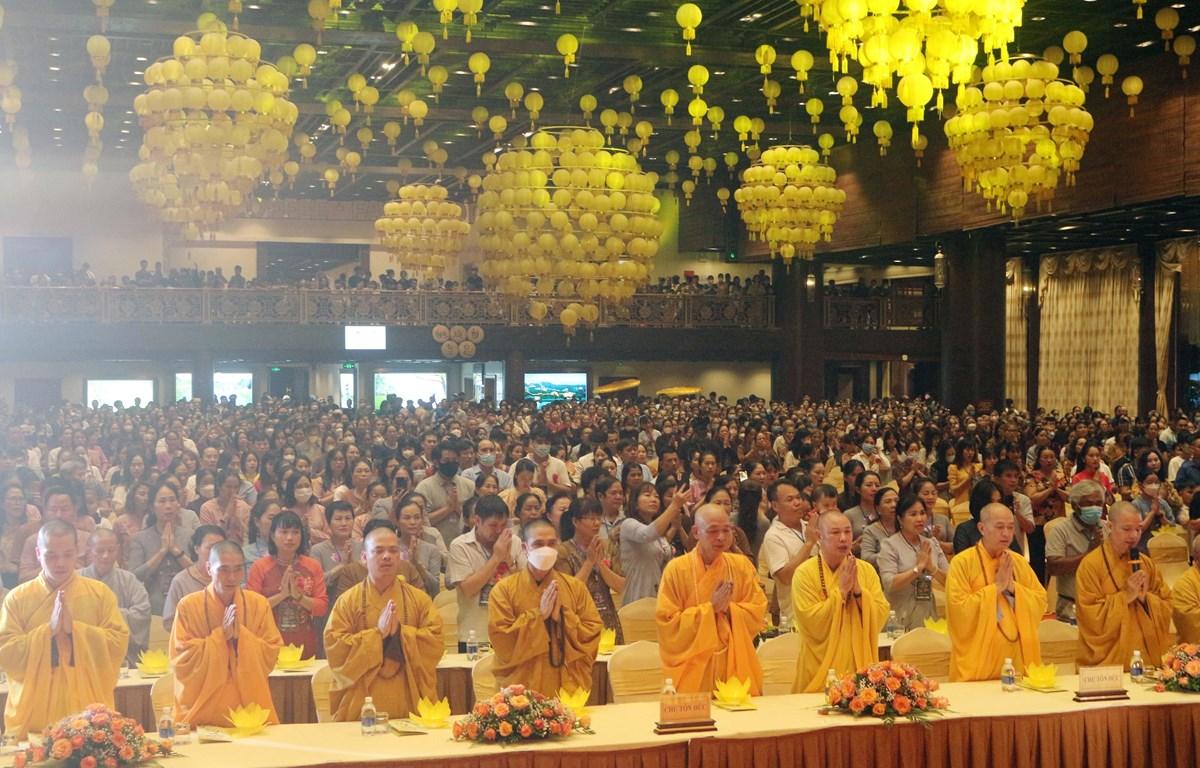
1033, 332
973, 320
1147, 364
514, 376
202, 376
799, 367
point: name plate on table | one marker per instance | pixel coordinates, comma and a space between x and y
1101, 684
685, 713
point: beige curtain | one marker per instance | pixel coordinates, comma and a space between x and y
1016, 363
1171, 257
1089, 329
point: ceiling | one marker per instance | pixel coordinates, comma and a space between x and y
619, 37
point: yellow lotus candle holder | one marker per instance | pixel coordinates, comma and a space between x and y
576, 700
431, 714
153, 663
608, 641
291, 657
937, 625
1041, 676
732, 693
248, 720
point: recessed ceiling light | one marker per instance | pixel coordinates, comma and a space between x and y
654, 14
751, 16
631, 29
1145, 44
1037, 18
254, 7
58, 109
527, 23
1120, 25
1178, 5
142, 58
719, 72
58, 129
55, 53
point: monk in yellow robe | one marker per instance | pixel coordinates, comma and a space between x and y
1122, 605
384, 637
62, 638
1185, 601
223, 644
543, 624
710, 608
839, 606
994, 602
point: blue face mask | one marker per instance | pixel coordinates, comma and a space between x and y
1090, 515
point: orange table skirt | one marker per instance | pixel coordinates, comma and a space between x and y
1119, 737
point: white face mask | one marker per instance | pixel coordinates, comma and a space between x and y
303, 495
542, 558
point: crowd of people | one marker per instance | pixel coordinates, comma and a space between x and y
358, 278
272, 521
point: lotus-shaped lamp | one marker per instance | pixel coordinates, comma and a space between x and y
937, 625
152, 662
1041, 675
431, 714
291, 657
732, 692
248, 720
575, 700
608, 641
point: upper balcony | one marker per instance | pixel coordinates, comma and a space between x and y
201, 306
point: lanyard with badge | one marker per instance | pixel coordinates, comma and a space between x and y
923, 586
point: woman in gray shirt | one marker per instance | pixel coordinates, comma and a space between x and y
645, 550
909, 565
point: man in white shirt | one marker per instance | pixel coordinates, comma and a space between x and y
478, 560
551, 475
1007, 477
485, 464
446, 491
872, 458
784, 545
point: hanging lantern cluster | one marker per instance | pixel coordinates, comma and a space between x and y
216, 121
568, 217
921, 49
422, 229
788, 200
10, 105
1017, 132
458, 341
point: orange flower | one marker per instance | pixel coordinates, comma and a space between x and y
78, 724
481, 709
87, 762
473, 730
1193, 668
490, 734
506, 728
501, 710
585, 721
60, 749
869, 695
126, 753
893, 684
847, 688
1191, 648
857, 705
879, 709
520, 702
526, 731
902, 704
77, 741
875, 675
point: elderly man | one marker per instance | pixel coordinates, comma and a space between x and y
1122, 603
994, 602
223, 644
62, 638
710, 608
132, 599
1185, 600
384, 637
1068, 541
63, 501
840, 607
543, 624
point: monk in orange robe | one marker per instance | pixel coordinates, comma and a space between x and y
543, 624
1121, 606
223, 645
62, 638
710, 608
994, 602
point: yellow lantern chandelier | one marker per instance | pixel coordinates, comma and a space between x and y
216, 122
568, 217
1017, 131
920, 49
788, 200
422, 229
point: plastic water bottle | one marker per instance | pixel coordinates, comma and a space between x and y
892, 628
831, 681
366, 717
1137, 669
668, 688
472, 646
166, 724
1008, 676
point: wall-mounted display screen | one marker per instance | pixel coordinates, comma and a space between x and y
366, 337
110, 391
546, 388
183, 386
410, 386
234, 383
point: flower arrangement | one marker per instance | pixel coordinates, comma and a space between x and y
517, 714
1180, 669
887, 690
97, 737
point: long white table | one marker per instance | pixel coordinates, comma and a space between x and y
627, 730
